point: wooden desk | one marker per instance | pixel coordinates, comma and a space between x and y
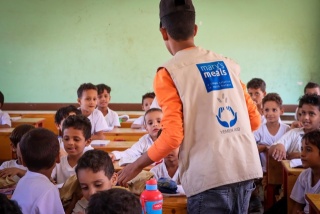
5, 148
115, 146
36, 122
174, 205
126, 124
117, 168
124, 134
314, 203
131, 114
290, 176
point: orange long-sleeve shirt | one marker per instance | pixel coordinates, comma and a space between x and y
172, 120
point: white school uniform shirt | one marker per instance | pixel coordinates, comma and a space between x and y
139, 120
80, 206
302, 187
292, 140
155, 103
98, 122
11, 164
36, 194
263, 137
63, 170
4, 118
112, 119
137, 149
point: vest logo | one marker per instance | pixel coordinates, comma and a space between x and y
226, 116
215, 75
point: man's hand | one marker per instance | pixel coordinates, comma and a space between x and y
278, 152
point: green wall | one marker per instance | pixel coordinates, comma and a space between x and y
48, 48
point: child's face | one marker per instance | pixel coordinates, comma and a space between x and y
310, 117
313, 91
272, 111
173, 155
60, 125
104, 99
74, 141
88, 101
310, 155
152, 123
256, 95
19, 156
92, 182
146, 104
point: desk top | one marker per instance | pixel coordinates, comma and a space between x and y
126, 131
5, 130
115, 145
314, 201
290, 170
29, 120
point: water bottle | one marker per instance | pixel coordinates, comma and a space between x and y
151, 198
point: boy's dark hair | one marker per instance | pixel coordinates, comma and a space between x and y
114, 201
272, 97
39, 149
313, 138
101, 87
311, 85
257, 83
1, 100
151, 110
8, 206
311, 99
84, 87
151, 95
64, 112
18, 132
78, 122
96, 160
178, 18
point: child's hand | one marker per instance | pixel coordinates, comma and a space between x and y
296, 124
279, 152
12, 172
112, 156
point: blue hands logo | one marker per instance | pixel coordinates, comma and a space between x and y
226, 110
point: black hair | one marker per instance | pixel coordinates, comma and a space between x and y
151, 95
39, 149
101, 87
78, 122
18, 132
114, 201
180, 26
311, 99
272, 97
257, 83
64, 112
311, 85
150, 111
313, 138
96, 160
1, 100
8, 206
84, 87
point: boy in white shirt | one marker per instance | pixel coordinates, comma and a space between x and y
104, 97
5, 121
309, 180
152, 120
76, 130
147, 100
35, 193
95, 172
87, 99
14, 168
289, 145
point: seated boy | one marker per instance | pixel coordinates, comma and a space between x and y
152, 119
309, 180
111, 201
59, 117
289, 145
5, 121
104, 97
95, 173
14, 168
147, 100
35, 193
76, 130
257, 90
87, 99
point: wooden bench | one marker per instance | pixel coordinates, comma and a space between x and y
314, 203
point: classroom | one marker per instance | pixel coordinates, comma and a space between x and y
49, 48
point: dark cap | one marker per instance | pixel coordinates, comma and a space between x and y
168, 7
